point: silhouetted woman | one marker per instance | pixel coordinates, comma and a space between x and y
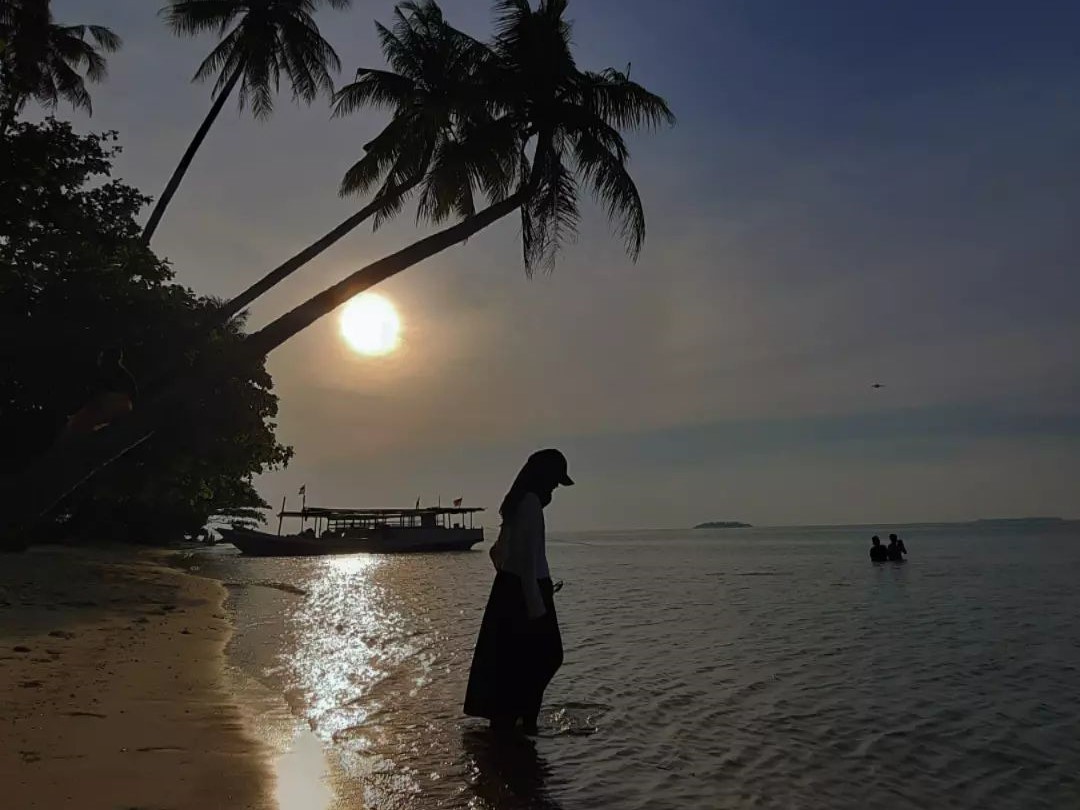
519, 648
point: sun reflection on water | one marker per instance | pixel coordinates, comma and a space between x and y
350, 644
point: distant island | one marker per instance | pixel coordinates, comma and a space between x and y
1025, 521
723, 524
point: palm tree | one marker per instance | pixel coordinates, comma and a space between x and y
45, 61
432, 95
269, 37
565, 131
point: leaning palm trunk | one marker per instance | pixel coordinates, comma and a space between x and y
272, 335
189, 155
31, 495
283, 271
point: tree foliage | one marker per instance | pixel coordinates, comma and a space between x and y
46, 61
261, 39
74, 280
472, 118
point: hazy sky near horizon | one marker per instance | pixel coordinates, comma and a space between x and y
855, 193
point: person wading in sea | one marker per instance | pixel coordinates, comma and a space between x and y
896, 548
878, 552
519, 648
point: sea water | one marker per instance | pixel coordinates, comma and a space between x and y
763, 668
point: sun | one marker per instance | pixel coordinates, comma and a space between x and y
370, 325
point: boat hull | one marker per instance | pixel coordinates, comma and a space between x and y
261, 544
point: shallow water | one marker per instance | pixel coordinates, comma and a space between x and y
725, 669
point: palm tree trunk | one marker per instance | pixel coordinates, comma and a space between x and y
283, 271
56, 474
185, 162
261, 343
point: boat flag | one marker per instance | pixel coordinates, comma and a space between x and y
303, 490
418, 503
457, 501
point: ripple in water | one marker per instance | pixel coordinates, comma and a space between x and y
771, 669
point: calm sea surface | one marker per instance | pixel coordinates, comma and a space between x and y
764, 668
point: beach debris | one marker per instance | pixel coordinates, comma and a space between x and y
30, 684
61, 634
21, 649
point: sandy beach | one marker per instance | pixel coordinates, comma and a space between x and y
111, 688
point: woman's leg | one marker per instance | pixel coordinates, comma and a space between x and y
498, 670
547, 656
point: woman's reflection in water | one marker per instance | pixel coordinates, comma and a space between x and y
506, 772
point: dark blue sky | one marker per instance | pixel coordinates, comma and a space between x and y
856, 192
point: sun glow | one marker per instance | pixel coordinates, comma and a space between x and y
370, 325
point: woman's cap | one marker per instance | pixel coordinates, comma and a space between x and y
554, 462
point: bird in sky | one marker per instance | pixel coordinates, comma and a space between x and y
877, 385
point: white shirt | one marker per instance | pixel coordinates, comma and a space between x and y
520, 550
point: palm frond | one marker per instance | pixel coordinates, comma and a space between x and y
64, 82
308, 59
47, 61
192, 17
574, 118
397, 55
376, 88
67, 42
447, 189
552, 214
380, 155
606, 175
489, 149
262, 74
622, 102
510, 17
105, 38
401, 181
264, 38
222, 60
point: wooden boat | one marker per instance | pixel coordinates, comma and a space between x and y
355, 531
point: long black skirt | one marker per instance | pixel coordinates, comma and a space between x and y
515, 657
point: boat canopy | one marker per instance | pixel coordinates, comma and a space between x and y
445, 517
368, 514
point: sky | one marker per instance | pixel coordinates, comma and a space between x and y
855, 193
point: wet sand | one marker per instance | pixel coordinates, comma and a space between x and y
112, 691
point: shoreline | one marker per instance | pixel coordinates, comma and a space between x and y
113, 689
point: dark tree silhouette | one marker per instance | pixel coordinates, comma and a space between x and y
548, 130
432, 95
259, 40
45, 61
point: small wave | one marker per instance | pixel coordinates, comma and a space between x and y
572, 719
763, 574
